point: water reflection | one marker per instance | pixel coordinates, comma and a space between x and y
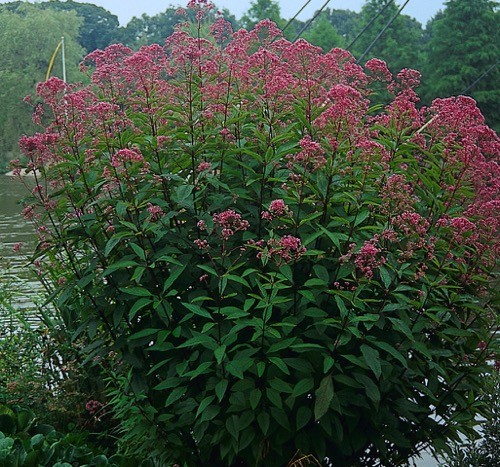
15, 229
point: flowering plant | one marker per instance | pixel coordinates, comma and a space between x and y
279, 266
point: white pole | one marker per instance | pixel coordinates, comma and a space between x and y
63, 59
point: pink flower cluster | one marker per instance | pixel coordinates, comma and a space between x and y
312, 156
93, 406
397, 195
229, 223
369, 258
155, 212
286, 249
277, 208
126, 155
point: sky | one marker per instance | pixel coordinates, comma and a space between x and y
422, 10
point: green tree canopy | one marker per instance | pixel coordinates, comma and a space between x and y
400, 45
323, 34
464, 43
155, 29
99, 25
262, 9
29, 35
345, 22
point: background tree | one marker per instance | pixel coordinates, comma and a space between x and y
464, 43
156, 29
29, 35
323, 34
99, 25
400, 45
147, 29
262, 9
345, 22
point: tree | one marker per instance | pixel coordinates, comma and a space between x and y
155, 29
262, 9
262, 267
99, 25
400, 45
345, 23
323, 34
29, 35
465, 43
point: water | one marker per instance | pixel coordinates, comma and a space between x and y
15, 229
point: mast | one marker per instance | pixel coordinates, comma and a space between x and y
63, 59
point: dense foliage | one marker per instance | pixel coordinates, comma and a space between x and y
486, 450
260, 264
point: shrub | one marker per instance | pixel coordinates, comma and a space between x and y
262, 264
24, 442
485, 451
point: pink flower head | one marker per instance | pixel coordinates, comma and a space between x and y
277, 208
230, 222
201, 244
126, 155
312, 156
17, 247
93, 406
378, 69
287, 249
204, 166
368, 258
155, 212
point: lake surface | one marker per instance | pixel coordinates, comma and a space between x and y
15, 229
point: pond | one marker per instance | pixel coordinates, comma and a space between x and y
14, 229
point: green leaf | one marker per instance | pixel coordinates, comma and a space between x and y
208, 269
280, 416
169, 383
138, 251
234, 278
123, 264
138, 305
324, 395
174, 275
303, 416
219, 353
110, 244
175, 395
342, 308
183, 194
401, 326
372, 358
391, 350
302, 386
280, 364
204, 404
201, 369
274, 397
263, 421
328, 362
255, 397
144, 333
197, 310
136, 291
385, 276
232, 426
234, 369
372, 390
220, 389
